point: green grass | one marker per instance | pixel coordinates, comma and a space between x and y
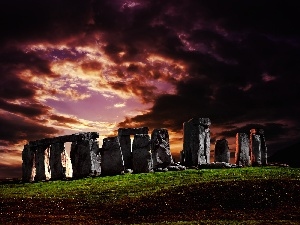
139, 196
105, 189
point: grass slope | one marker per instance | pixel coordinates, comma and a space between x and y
221, 196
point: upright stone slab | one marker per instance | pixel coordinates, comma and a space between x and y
95, 158
56, 167
27, 164
222, 153
160, 148
111, 157
142, 160
125, 143
80, 158
40, 163
242, 156
196, 141
255, 148
263, 145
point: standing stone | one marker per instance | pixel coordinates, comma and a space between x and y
125, 143
196, 141
160, 148
264, 152
255, 148
95, 158
142, 160
40, 163
222, 153
27, 164
56, 167
111, 157
242, 156
80, 158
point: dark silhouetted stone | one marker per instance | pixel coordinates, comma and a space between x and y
160, 148
27, 164
196, 142
40, 163
222, 153
80, 158
56, 167
242, 156
142, 160
111, 157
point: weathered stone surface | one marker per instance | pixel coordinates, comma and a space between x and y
242, 156
125, 143
95, 158
66, 138
255, 148
80, 158
196, 141
222, 153
142, 160
27, 164
160, 148
263, 145
40, 163
132, 131
111, 157
56, 167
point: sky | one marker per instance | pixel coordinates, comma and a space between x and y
69, 66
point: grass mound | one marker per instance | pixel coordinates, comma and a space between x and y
220, 196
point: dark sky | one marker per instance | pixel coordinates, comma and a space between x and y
96, 65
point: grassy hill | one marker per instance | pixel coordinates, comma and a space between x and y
254, 195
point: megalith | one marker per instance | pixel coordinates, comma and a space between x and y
160, 148
125, 143
242, 155
196, 141
56, 167
263, 147
80, 158
142, 159
255, 148
222, 153
111, 157
40, 163
27, 164
95, 158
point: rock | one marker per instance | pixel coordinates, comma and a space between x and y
81, 158
95, 158
222, 153
125, 142
142, 159
111, 157
40, 163
255, 148
160, 148
263, 146
196, 142
27, 164
242, 156
56, 167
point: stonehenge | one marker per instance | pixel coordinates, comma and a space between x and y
47, 158
196, 142
222, 153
